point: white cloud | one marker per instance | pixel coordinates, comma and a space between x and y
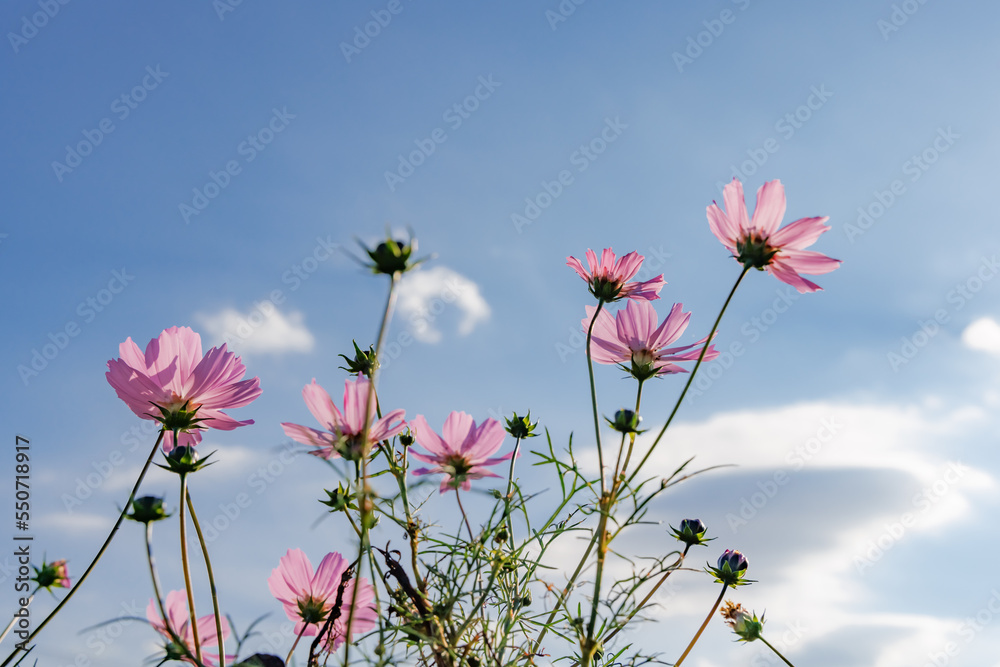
861, 481
77, 523
425, 295
264, 329
983, 334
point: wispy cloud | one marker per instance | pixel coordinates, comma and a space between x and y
425, 295
262, 330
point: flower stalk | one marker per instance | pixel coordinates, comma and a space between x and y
97, 558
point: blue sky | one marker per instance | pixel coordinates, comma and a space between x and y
190, 165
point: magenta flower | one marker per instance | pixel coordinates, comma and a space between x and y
463, 453
758, 243
52, 575
179, 620
608, 278
633, 340
342, 434
309, 597
175, 385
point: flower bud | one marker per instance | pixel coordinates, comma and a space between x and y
369, 520
392, 256
363, 363
691, 532
147, 509
405, 439
184, 460
626, 421
52, 575
340, 499
521, 427
732, 567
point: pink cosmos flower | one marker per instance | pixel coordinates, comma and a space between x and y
463, 453
343, 430
608, 278
174, 384
179, 620
760, 244
634, 340
308, 597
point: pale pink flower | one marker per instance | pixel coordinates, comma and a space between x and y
634, 339
179, 619
191, 388
760, 244
309, 597
462, 452
343, 429
52, 575
608, 278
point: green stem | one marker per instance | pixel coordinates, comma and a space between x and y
602, 551
211, 584
631, 444
13, 619
593, 392
104, 547
648, 596
364, 496
562, 595
187, 570
776, 652
178, 642
507, 495
288, 659
458, 497
680, 399
702, 628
